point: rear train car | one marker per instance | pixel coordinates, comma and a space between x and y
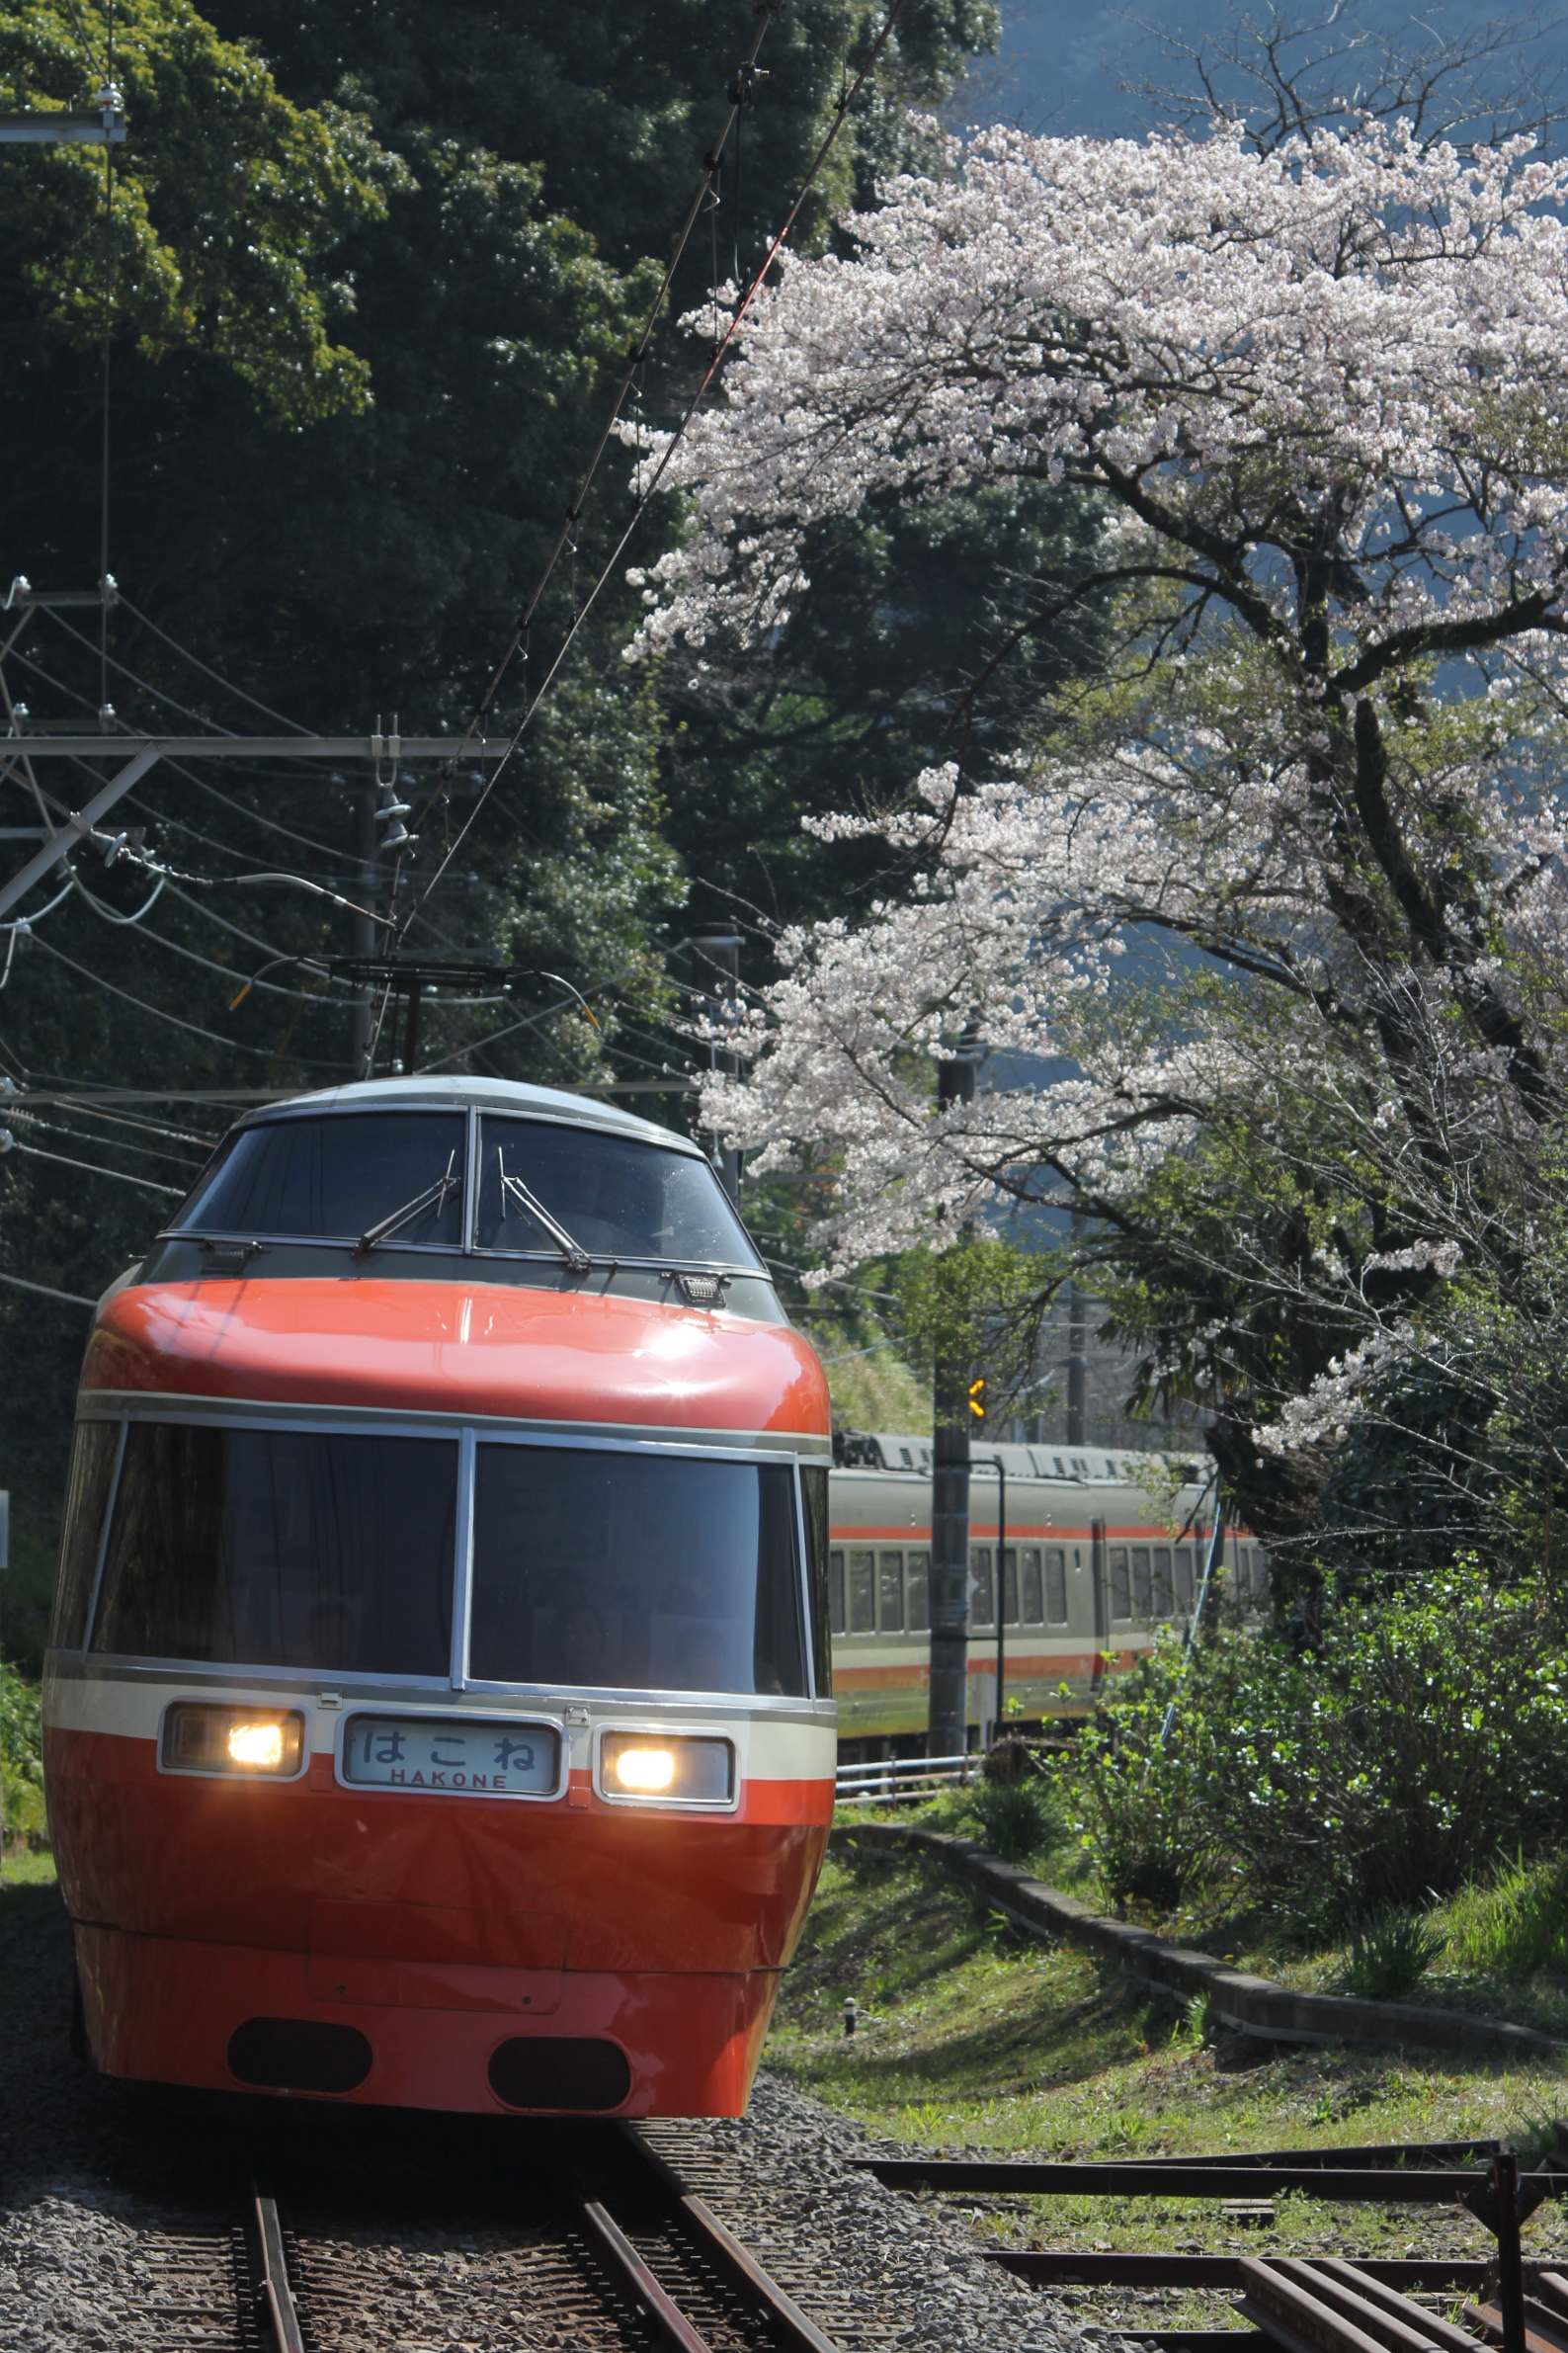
437, 1705
1091, 1570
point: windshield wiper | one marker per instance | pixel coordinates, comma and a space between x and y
434, 1196
573, 1252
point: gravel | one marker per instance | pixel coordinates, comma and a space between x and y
118, 2208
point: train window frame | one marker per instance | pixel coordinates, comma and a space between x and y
120, 1423
285, 1117
615, 1695
227, 1414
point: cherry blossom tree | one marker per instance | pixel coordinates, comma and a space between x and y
1270, 917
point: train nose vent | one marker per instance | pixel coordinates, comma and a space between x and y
573, 2071
298, 2055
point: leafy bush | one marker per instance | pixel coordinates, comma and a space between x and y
1013, 1818
1359, 1777
21, 1754
1514, 1923
1390, 1953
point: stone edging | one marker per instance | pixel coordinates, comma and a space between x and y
1251, 2005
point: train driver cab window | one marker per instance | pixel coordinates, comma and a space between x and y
338, 1178
891, 1592
836, 1614
863, 1590
634, 1572
281, 1549
1120, 1582
1183, 1577
917, 1591
1055, 1585
981, 1611
540, 1180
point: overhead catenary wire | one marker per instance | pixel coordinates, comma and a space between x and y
47, 1290
35, 1151
648, 486
41, 1126
265, 1054
217, 678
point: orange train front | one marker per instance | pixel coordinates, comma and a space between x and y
437, 1707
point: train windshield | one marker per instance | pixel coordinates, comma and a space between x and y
338, 1179
634, 1572
284, 1549
615, 1196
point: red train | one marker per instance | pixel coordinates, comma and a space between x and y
437, 1707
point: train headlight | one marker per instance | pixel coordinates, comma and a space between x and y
253, 1741
675, 1768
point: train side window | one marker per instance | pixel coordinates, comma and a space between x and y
1243, 1573
917, 1591
1120, 1582
634, 1572
283, 1549
1259, 1576
814, 1499
835, 1616
1142, 1597
1184, 1577
1034, 1598
891, 1592
86, 1501
1055, 1585
1164, 1597
863, 1591
980, 1609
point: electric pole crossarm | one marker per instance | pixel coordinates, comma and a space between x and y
256, 747
78, 825
54, 129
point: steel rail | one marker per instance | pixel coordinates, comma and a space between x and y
275, 2295
788, 2322
1058, 2267
1378, 2186
623, 2258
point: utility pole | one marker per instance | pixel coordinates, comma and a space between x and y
716, 982
364, 928
948, 1733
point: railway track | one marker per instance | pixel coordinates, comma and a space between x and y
611, 2250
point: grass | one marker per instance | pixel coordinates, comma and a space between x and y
29, 1866
972, 2036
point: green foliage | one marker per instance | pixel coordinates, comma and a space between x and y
21, 1755
1513, 1921
228, 204
1013, 1818
1380, 1767
1390, 1951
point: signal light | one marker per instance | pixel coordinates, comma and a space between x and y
977, 1398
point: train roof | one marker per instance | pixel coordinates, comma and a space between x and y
434, 1093
905, 1450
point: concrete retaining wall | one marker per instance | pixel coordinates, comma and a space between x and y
1251, 2005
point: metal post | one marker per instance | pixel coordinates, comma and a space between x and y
948, 1733
1000, 1596
364, 929
1097, 1575
1510, 2263
1076, 1368
715, 979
